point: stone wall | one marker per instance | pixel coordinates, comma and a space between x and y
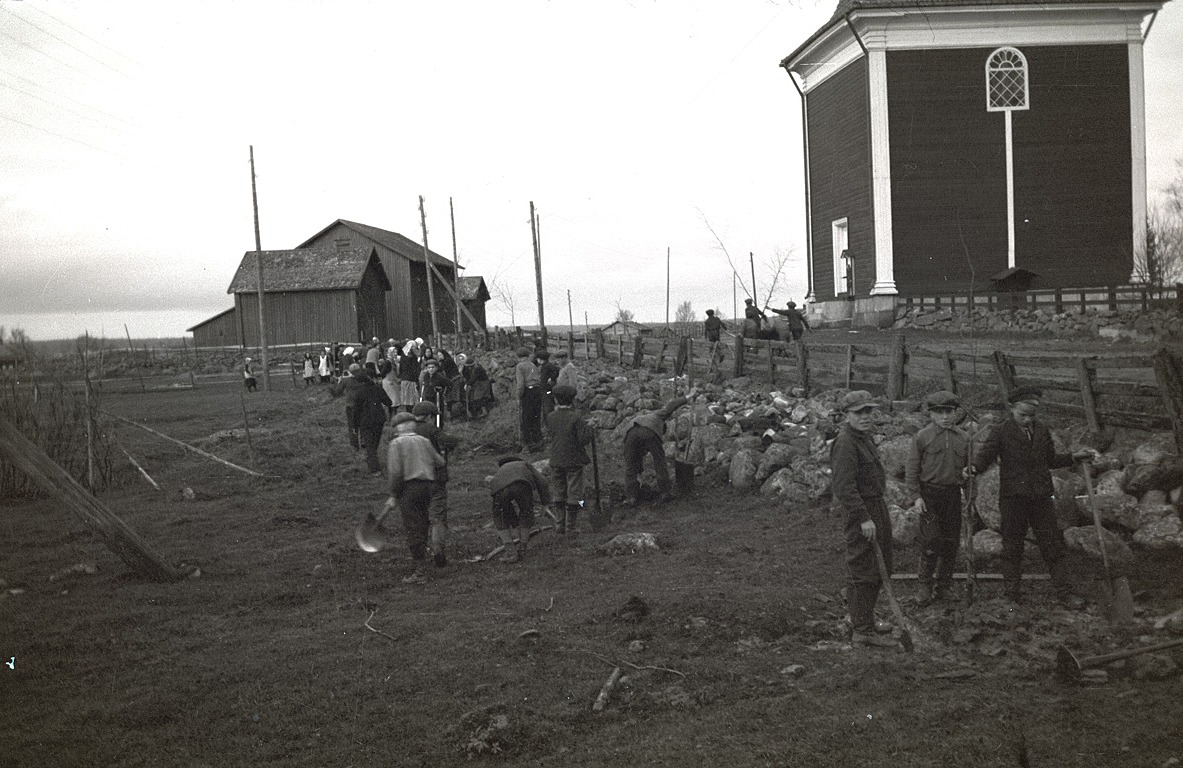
1156, 325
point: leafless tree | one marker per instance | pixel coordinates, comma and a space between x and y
502, 293
772, 267
624, 315
685, 317
1161, 263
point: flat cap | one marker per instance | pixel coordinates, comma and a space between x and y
401, 418
1025, 395
355, 368
858, 400
942, 399
523, 352
564, 393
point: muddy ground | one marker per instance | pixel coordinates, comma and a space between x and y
294, 648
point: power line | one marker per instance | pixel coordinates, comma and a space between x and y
59, 106
77, 31
61, 136
65, 42
67, 98
67, 65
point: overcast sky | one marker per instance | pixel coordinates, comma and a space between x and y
125, 126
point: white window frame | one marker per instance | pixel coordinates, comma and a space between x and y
992, 67
839, 226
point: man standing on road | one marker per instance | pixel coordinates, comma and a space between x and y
1026, 455
858, 483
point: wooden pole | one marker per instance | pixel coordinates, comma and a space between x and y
132, 347
428, 269
803, 365
849, 363
136, 464
752, 264
667, 287
263, 353
1084, 375
1168, 372
896, 368
455, 296
690, 362
59, 485
586, 338
537, 267
455, 269
1006, 376
186, 446
734, 298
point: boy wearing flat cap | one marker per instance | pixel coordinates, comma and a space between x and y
1026, 455
934, 472
858, 484
569, 437
411, 467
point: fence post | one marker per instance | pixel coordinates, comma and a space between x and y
638, 351
689, 342
1059, 301
620, 351
802, 366
1168, 371
570, 345
849, 363
1085, 375
660, 354
771, 366
896, 369
950, 372
1005, 373
737, 368
1112, 298
586, 346
601, 350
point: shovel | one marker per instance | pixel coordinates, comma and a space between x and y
1070, 667
1116, 600
369, 534
885, 577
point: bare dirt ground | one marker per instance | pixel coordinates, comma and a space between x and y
294, 648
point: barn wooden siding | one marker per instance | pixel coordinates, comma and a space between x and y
1073, 221
221, 330
298, 317
840, 176
407, 306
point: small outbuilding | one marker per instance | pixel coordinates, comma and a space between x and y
221, 330
626, 328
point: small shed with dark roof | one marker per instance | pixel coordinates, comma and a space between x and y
221, 330
949, 140
473, 294
312, 295
407, 305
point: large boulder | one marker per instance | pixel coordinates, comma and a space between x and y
1109, 483
1067, 508
742, 473
986, 498
1115, 509
1162, 534
894, 455
897, 493
905, 524
1162, 475
783, 484
1084, 539
987, 545
775, 457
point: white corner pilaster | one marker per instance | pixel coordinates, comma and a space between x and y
881, 173
1137, 155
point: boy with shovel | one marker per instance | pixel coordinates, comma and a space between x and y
858, 484
411, 466
569, 437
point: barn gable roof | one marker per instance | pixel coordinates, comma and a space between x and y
209, 320
307, 269
403, 246
473, 289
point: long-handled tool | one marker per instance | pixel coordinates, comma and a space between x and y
369, 533
969, 516
597, 517
1116, 600
885, 577
1070, 667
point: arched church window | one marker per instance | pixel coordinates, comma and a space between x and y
1006, 81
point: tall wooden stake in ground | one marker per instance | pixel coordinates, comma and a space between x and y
752, 264
455, 270
427, 265
537, 268
667, 287
263, 353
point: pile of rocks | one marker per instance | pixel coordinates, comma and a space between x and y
1126, 325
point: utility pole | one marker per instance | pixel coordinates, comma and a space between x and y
752, 264
537, 268
435, 329
667, 287
455, 271
734, 297
259, 277
570, 317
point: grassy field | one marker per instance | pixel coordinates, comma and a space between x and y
294, 648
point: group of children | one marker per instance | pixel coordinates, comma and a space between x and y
942, 459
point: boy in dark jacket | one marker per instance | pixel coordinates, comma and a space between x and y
513, 488
569, 434
645, 436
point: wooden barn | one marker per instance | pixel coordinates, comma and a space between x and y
221, 330
626, 328
408, 309
947, 142
311, 295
